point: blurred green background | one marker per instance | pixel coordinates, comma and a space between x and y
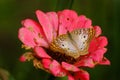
104, 13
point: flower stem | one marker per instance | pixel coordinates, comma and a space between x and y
64, 4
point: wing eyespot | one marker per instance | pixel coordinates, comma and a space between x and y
63, 45
84, 36
81, 48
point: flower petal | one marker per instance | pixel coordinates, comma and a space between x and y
104, 61
81, 75
46, 25
98, 31
84, 22
22, 58
68, 13
80, 22
70, 77
98, 54
62, 29
46, 63
54, 21
26, 37
69, 67
102, 41
66, 18
56, 69
41, 53
37, 32
93, 45
85, 62
97, 43
31, 24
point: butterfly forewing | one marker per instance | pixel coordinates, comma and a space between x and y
82, 38
63, 44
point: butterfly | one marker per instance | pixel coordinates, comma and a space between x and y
73, 44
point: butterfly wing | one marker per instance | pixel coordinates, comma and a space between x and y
63, 45
82, 38
73, 43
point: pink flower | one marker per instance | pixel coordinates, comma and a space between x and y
39, 36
